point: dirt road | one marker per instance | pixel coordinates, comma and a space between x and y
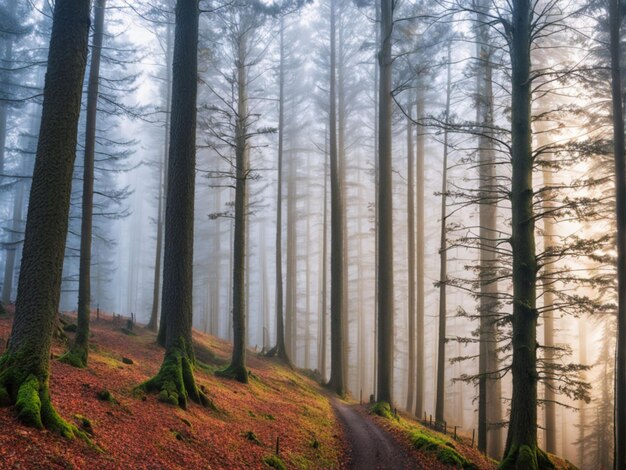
370, 447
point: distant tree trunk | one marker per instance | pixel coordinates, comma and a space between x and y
216, 279
521, 447
582, 417
620, 194
385, 205
420, 153
237, 367
154, 314
292, 267
443, 266
6, 63
489, 403
337, 281
25, 365
410, 206
280, 348
79, 351
377, 186
307, 270
548, 275
324, 267
175, 381
265, 301
16, 227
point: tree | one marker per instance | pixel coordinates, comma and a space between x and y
615, 19
337, 265
79, 352
280, 349
175, 381
385, 208
25, 366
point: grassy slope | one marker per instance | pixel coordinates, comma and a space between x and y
140, 432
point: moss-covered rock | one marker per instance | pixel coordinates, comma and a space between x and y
383, 409
105, 395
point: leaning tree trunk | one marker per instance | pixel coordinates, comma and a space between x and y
175, 381
25, 365
237, 367
385, 207
79, 352
337, 266
280, 349
620, 194
489, 403
156, 287
521, 447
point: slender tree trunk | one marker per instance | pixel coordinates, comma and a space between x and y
237, 368
521, 448
337, 265
385, 205
79, 352
582, 417
489, 403
307, 269
25, 365
620, 194
7, 64
410, 206
292, 268
443, 266
265, 301
154, 314
324, 268
175, 381
280, 349
420, 153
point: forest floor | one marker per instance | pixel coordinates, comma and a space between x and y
140, 432
132, 430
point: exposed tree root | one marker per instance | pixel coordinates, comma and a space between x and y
175, 382
238, 373
526, 458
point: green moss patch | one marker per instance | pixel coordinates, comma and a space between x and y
443, 449
383, 409
274, 461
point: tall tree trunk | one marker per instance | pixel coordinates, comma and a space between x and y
156, 287
521, 447
6, 63
420, 154
237, 367
443, 266
292, 267
620, 194
280, 349
489, 403
410, 207
79, 352
324, 267
385, 205
25, 365
175, 381
582, 416
337, 265
265, 301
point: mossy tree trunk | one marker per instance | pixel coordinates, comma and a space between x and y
79, 351
25, 366
521, 447
385, 209
175, 381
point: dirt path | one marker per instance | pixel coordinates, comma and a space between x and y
370, 447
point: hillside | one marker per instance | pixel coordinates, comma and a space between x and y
140, 432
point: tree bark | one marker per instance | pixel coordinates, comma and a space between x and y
489, 404
175, 381
25, 365
156, 287
521, 447
620, 195
385, 206
443, 266
78, 354
337, 265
